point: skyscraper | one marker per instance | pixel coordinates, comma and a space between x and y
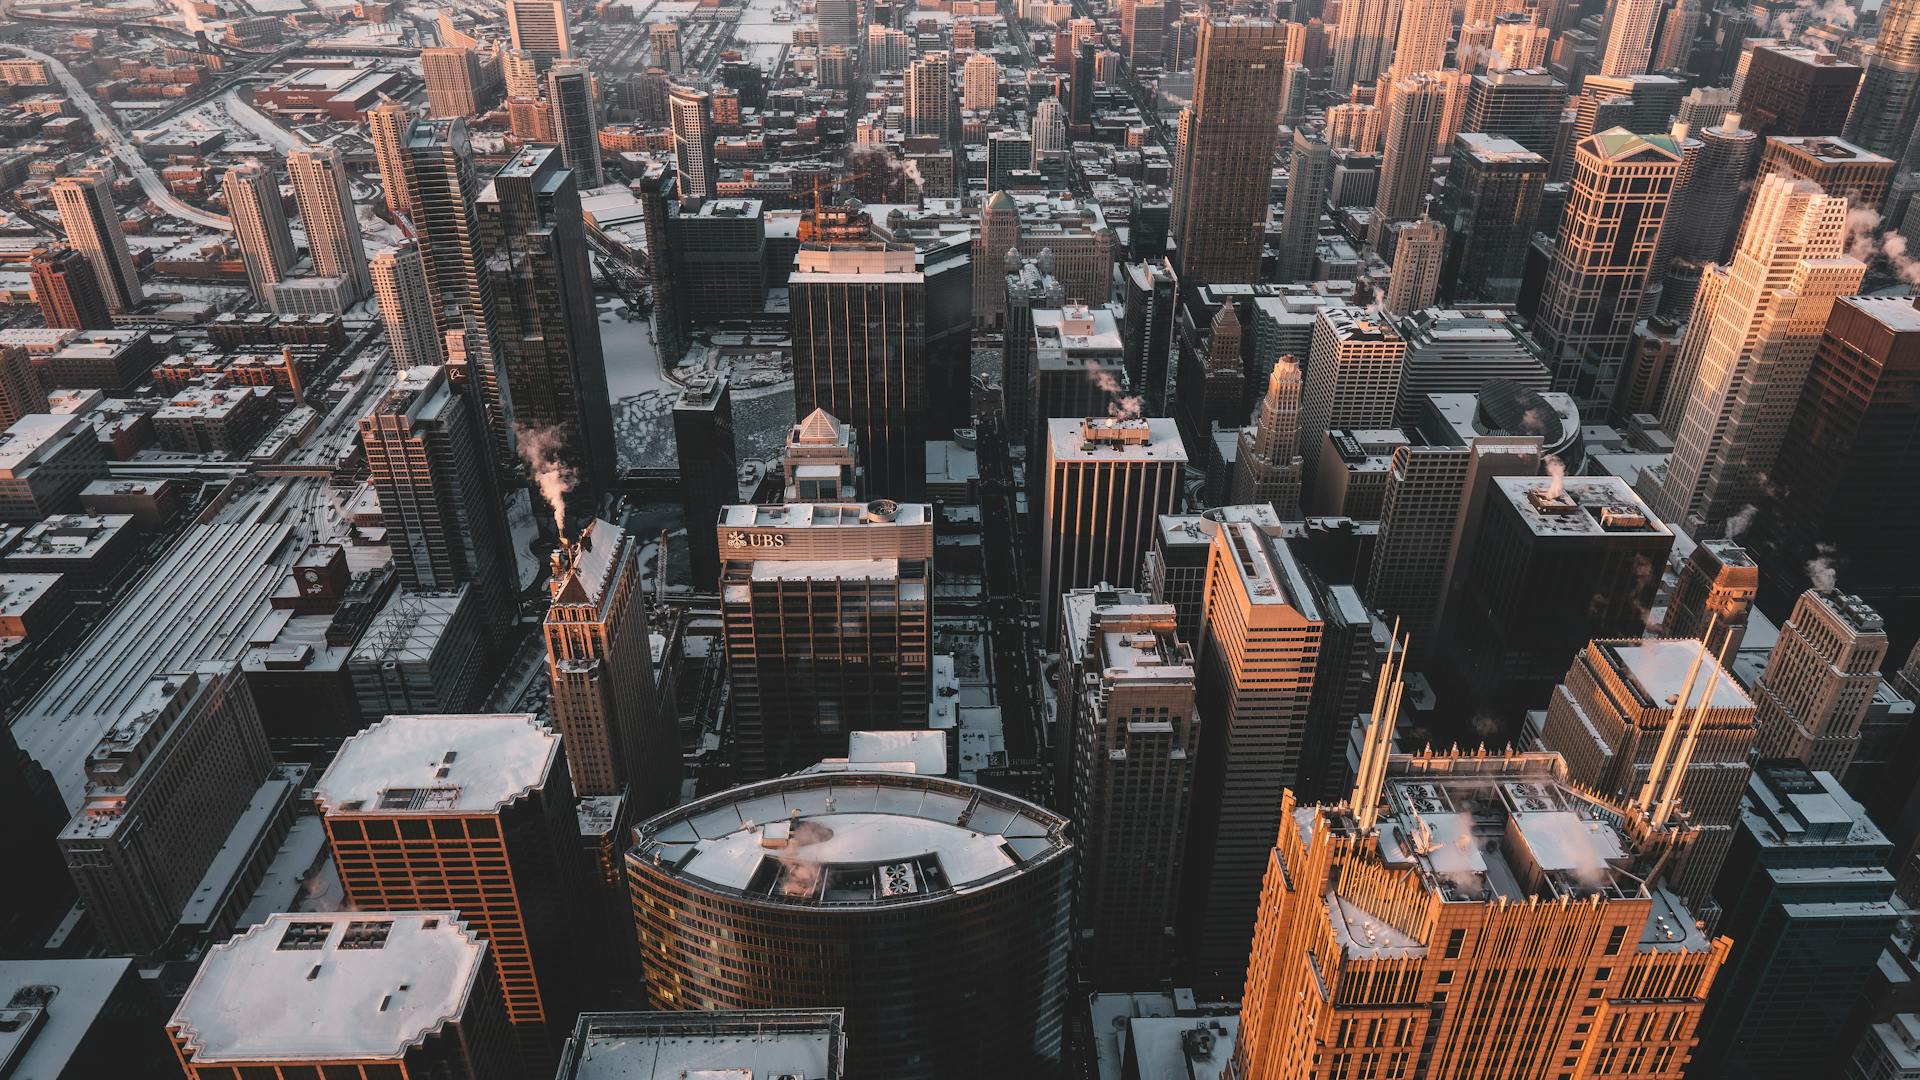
406, 308
1820, 680
1628, 34
1805, 895
87, 213
68, 291
1106, 482
533, 246
1419, 253
1268, 467
1049, 132
427, 456
601, 666
387, 127
1754, 333
999, 237
1713, 596
979, 82
1661, 724
473, 813
1603, 257
301, 992
692, 113
539, 29
777, 1042
1413, 125
704, 444
166, 784
829, 618
1490, 205
1223, 169
1523, 920
452, 76
820, 463
260, 226
443, 193
1149, 292
1789, 90
1143, 32
1520, 104
1362, 43
893, 874
1353, 377
1709, 210
1127, 700
1260, 644
1310, 172
576, 120
859, 352
327, 213
1882, 119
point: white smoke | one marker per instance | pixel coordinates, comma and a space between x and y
1815, 13
1120, 404
1557, 470
553, 478
1867, 243
1821, 571
1741, 521
190, 16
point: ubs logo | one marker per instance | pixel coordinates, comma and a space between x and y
738, 539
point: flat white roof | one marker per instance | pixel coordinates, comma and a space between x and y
333, 986
450, 763
1659, 668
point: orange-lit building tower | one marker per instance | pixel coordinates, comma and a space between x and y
1471, 917
473, 813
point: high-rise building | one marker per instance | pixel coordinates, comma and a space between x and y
821, 462
444, 192
1708, 213
1556, 562
166, 784
427, 456
1882, 119
1628, 33
1603, 259
260, 226
1223, 169
1713, 597
474, 813
1406, 164
708, 464
1840, 168
1149, 298
539, 29
859, 313
1660, 723
979, 83
1820, 680
1519, 43
1268, 467
1049, 132
1805, 895
576, 120
68, 291
1126, 698
1260, 645
355, 993
1363, 40
20, 389
406, 308
327, 213
1106, 482
692, 113
387, 127
839, 22
87, 213
773, 1042
454, 82
533, 245
929, 95
828, 615
1309, 174
1419, 252
1143, 29
1523, 105
1355, 125
1523, 920
1009, 159
1489, 207
1753, 331
1853, 442
601, 666
893, 874
999, 239
1353, 378
1789, 90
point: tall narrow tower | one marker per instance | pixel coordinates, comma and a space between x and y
1413, 126
1754, 337
1107, 481
93, 228
576, 119
1820, 679
1268, 468
1713, 597
1882, 119
327, 212
68, 291
1222, 174
406, 308
692, 113
539, 29
387, 126
1307, 180
1418, 255
260, 226
1628, 33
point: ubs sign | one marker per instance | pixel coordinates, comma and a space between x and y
738, 539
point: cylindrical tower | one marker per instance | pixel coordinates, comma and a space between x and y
933, 911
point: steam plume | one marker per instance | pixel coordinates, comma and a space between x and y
1556, 469
1821, 571
540, 449
1120, 405
1867, 243
1740, 522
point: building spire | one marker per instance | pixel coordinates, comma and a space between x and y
1377, 743
1645, 799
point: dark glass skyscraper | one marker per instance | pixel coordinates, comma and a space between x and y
1227, 136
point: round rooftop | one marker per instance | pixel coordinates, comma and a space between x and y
1507, 408
837, 840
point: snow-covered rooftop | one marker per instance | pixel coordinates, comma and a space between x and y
438, 764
